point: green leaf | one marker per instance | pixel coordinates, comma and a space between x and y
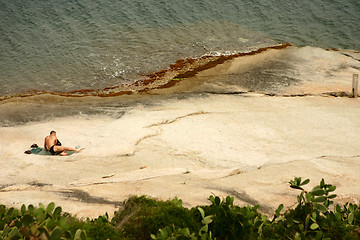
301, 227
63, 224
338, 208
331, 188
296, 187
5, 230
205, 228
351, 207
338, 216
57, 212
50, 223
56, 234
31, 208
26, 219
201, 212
164, 234
184, 232
332, 196
321, 208
318, 235
229, 200
23, 209
217, 200
297, 236
212, 199
40, 215
305, 182
207, 220
38, 212
80, 235
328, 203
318, 192
322, 183
309, 197
50, 207
42, 206
320, 199
351, 218
10, 212
278, 210
314, 226
14, 232
256, 219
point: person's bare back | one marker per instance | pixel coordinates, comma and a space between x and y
50, 141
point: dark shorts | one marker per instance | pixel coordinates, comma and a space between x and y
53, 152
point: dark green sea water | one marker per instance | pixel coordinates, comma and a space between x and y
59, 45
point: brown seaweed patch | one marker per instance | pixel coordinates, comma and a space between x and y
169, 84
337, 94
332, 49
188, 68
224, 58
166, 78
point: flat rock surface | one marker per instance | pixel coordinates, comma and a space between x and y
247, 144
247, 147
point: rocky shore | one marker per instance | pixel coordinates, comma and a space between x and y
212, 133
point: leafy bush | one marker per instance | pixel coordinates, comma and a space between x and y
142, 216
51, 223
312, 218
184, 233
233, 222
145, 218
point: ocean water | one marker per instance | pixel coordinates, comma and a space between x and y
62, 46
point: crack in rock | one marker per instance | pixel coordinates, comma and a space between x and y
272, 94
169, 121
39, 184
5, 186
148, 136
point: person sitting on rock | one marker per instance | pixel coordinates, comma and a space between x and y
53, 145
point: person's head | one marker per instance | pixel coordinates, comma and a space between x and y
52, 132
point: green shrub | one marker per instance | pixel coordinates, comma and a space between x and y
142, 216
51, 223
233, 222
100, 228
314, 217
311, 219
